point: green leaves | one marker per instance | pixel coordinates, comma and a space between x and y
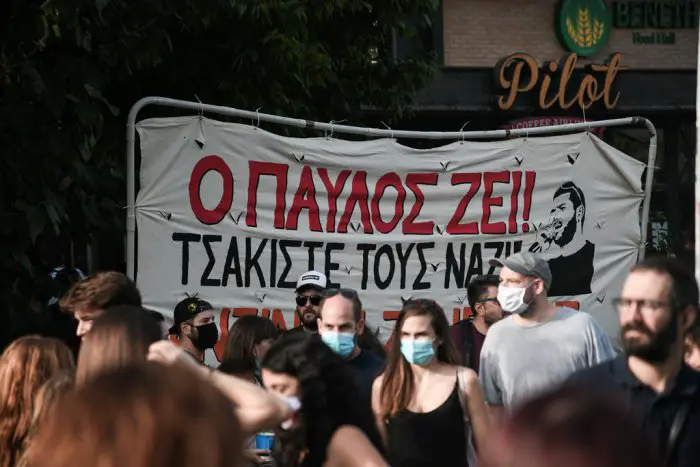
71, 69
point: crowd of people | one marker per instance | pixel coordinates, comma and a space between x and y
522, 383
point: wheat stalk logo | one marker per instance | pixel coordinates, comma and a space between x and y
585, 33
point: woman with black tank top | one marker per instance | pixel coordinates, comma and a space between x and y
429, 410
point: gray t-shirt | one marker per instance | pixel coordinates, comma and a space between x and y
520, 362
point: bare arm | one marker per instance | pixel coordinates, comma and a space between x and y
349, 447
255, 408
496, 413
476, 406
377, 407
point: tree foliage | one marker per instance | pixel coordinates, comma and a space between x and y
71, 69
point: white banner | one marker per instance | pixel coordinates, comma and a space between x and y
237, 214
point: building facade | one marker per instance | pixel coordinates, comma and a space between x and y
520, 63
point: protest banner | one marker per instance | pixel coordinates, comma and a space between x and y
237, 214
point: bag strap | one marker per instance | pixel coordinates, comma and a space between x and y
676, 427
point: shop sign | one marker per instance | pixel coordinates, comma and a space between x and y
519, 74
655, 15
583, 26
536, 122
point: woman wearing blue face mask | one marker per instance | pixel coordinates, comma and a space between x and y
429, 410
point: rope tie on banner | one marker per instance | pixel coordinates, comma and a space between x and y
200, 114
331, 123
252, 122
461, 133
583, 109
390, 130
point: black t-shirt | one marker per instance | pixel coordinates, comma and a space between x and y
365, 368
572, 275
657, 410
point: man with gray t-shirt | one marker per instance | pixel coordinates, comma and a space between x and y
539, 345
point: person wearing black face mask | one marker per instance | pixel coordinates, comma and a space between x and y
194, 326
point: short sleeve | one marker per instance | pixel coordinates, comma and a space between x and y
598, 345
488, 374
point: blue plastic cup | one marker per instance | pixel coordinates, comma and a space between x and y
264, 441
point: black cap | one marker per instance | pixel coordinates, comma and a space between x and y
188, 309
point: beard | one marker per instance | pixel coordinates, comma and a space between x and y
567, 235
657, 348
491, 320
309, 323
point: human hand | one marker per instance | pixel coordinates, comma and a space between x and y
258, 456
168, 354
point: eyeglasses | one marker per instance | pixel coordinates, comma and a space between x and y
488, 299
350, 294
315, 300
646, 307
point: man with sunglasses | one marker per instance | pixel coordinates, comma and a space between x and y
340, 325
469, 334
310, 287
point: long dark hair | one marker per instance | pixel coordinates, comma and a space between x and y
119, 337
397, 385
329, 399
245, 334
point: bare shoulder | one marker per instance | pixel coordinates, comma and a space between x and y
469, 378
349, 447
378, 382
347, 433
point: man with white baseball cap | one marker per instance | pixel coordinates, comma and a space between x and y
310, 287
539, 345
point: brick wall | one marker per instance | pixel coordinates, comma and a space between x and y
477, 33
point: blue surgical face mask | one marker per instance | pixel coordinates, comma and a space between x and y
341, 343
417, 352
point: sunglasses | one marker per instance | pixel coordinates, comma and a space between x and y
315, 300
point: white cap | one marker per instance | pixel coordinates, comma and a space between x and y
314, 278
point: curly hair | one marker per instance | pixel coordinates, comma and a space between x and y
45, 402
329, 399
25, 366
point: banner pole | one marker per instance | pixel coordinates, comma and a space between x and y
374, 133
648, 185
697, 172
